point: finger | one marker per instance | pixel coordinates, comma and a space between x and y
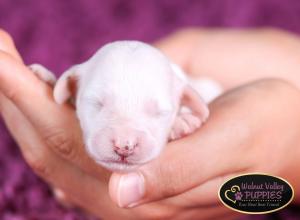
79, 187
7, 45
62, 197
202, 196
219, 212
179, 46
53, 122
224, 145
223, 55
164, 210
58, 140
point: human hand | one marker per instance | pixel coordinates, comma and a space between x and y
233, 57
90, 193
54, 160
173, 174
253, 128
49, 136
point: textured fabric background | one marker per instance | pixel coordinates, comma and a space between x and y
61, 33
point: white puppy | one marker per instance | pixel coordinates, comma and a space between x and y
129, 98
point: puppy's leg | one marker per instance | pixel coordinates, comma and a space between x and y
185, 124
207, 88
43, 73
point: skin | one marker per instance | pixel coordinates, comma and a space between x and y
240, 122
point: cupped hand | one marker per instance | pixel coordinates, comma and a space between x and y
50, 137
182, 183
253, 128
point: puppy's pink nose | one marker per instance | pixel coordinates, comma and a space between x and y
125, 145
126, 141
125, 150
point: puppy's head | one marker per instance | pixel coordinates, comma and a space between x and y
126, 97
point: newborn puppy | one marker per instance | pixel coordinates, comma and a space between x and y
128, 98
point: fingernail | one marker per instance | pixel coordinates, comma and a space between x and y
130, 189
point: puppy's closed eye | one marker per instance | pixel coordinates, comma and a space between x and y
99, 104
95, 102
153, 109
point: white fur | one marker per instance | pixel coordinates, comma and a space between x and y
129, 94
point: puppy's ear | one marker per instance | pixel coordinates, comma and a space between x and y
192, 100
66, 86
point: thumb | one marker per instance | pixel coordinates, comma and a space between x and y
178, 169
183, 165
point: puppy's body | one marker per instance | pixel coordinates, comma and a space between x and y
128, 98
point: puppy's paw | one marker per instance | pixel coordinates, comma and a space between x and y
43, 73
185, 124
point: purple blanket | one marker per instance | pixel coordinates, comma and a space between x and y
61, 33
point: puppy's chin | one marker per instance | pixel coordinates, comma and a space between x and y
119, 166
122, 166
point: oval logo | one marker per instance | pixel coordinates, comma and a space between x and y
256, 193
